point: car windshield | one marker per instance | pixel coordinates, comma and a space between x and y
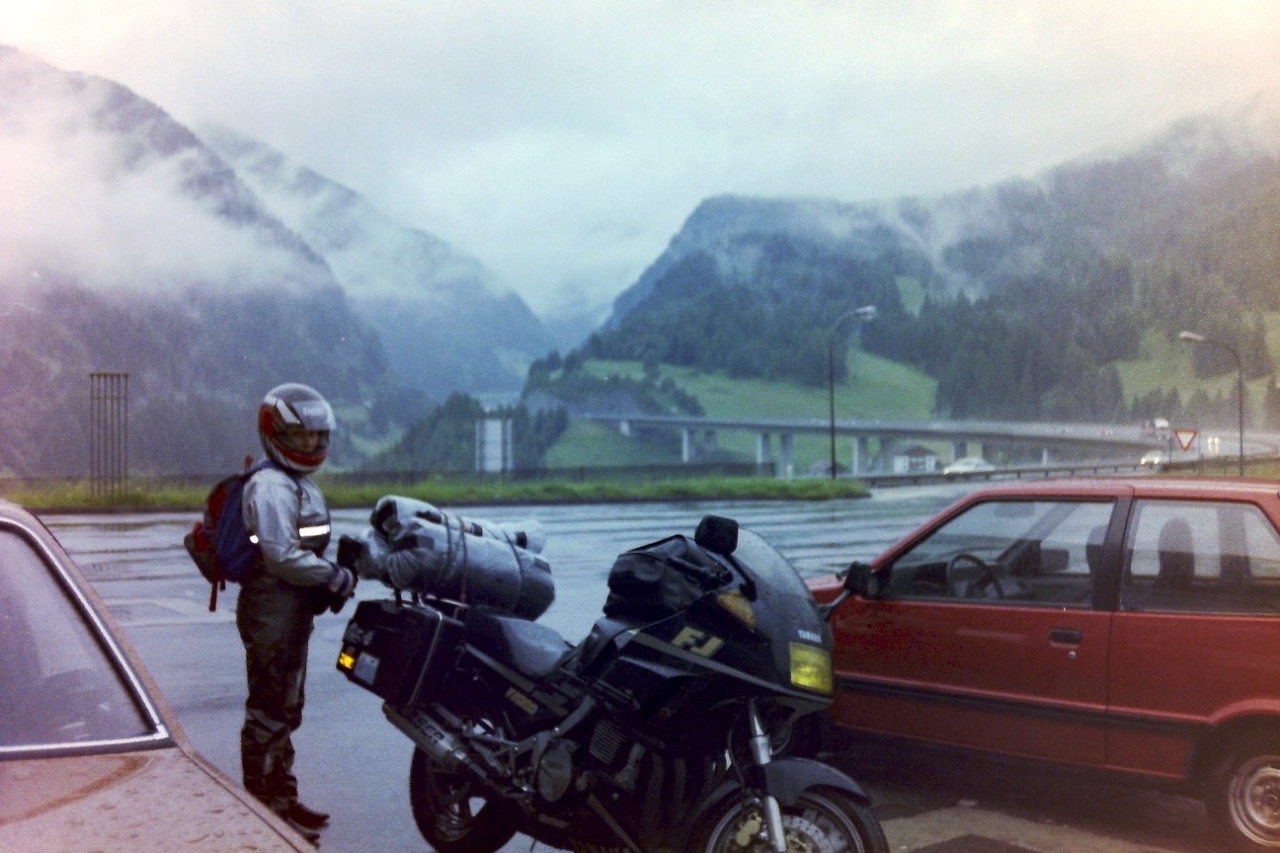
60, 688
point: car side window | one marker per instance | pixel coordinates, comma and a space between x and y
1023, 552
57, 685
1201, 557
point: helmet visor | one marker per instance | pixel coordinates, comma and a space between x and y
304, 442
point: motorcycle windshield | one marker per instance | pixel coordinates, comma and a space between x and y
780, 591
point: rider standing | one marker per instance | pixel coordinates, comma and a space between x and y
280, 597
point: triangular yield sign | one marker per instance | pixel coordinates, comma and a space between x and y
1185, 437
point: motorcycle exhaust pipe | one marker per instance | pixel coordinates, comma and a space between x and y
431, 736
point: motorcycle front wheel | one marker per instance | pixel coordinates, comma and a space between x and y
449, 815
823, 820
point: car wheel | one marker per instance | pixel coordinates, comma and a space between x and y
1243, 797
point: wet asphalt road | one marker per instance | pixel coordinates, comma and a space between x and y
354, 764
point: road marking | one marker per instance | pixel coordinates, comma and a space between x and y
151, 612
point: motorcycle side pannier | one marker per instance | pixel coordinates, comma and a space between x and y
662, 578
395, 650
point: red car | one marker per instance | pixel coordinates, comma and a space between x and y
1131, 625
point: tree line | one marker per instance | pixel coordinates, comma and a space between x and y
1037, 346
445, 440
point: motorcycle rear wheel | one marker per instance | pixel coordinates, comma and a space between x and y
821, 821
449, 815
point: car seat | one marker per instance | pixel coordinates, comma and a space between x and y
1177, 565
1093, 549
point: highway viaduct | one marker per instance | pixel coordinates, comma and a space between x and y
698, 436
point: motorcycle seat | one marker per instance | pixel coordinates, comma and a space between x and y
530, 648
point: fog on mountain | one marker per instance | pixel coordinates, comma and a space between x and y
210, 267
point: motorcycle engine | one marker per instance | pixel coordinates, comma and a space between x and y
555, 772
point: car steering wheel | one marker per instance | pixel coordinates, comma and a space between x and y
986, 575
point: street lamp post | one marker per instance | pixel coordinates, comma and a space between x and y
864, 314
1195, 338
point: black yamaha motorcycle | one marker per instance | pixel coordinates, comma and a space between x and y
666, 729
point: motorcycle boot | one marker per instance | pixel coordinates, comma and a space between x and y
308, 817
311, 834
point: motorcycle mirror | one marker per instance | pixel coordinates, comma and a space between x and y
717, 534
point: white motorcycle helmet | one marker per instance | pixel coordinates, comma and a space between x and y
294, 422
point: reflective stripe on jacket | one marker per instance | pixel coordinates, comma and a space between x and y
289, 517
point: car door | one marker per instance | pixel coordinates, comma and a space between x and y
1196, 640
987, 635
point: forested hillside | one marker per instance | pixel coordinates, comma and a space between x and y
1034, 289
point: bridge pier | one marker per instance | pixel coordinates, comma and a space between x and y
861, 450
764, 449
888, 446
786, 457
694, 446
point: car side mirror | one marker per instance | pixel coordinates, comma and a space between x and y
863, 580
859, 579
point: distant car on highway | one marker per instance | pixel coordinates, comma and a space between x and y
1121, 624
968, 465
90, 757
1153, 459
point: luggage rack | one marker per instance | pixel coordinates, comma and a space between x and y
450, 607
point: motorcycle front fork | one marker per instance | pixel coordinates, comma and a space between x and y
762, 754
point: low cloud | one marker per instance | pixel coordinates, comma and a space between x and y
564, 143
106, 208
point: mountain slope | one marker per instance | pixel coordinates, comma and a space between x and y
446, 322
130, 246
1033, 288
1214, 172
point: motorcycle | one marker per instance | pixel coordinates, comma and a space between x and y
667, 728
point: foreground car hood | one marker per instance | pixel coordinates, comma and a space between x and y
136, 801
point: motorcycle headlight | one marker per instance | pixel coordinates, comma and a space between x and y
811, 668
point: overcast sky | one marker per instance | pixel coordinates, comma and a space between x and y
564, 142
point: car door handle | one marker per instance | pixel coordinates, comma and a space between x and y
1068, 636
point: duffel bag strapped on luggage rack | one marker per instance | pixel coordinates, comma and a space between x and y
414, 546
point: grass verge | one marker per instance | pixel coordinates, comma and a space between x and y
77, 496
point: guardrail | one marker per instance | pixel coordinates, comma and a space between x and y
1033, 472
1225, 465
